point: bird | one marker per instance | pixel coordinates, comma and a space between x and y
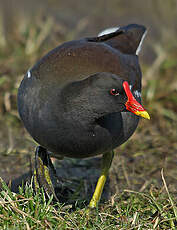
83, 99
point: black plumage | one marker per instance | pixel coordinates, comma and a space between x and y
82, 99
65, 103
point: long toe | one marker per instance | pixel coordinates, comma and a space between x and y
44, 173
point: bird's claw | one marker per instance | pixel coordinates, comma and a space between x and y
45, 173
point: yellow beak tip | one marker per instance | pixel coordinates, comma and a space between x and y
143, 114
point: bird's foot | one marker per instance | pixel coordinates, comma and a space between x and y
45, 173
45, 176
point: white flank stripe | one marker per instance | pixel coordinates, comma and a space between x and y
137, 93
28, 74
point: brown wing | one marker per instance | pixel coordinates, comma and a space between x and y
79, 59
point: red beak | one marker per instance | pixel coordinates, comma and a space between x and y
132, 105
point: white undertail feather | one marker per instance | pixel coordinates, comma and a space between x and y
113, 29
141, 42
108, 31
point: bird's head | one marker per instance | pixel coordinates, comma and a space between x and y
102, 94
109, 93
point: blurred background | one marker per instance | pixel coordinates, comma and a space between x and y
29, 29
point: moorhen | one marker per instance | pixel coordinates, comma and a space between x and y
83, 99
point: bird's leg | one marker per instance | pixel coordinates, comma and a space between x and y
44, 172
106, 164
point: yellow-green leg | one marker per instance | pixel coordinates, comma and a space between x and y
44, 172
106, 164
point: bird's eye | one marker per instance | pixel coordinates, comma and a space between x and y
114, 92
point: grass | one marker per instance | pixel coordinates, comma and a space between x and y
128, 210
141, 196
